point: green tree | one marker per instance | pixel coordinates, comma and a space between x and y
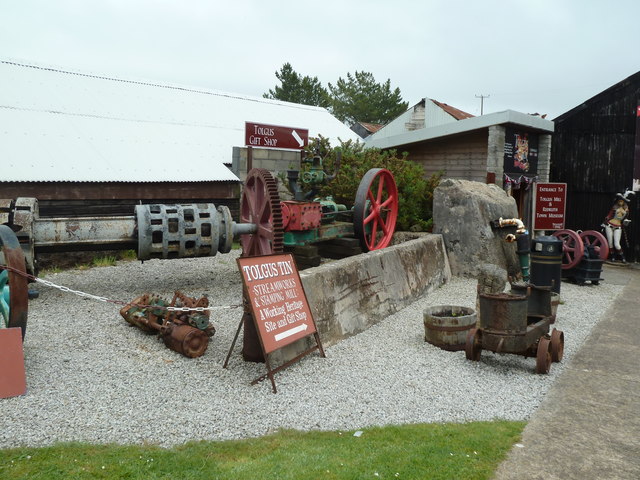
360, 98
298, 89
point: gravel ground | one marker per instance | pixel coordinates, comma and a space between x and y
92, 377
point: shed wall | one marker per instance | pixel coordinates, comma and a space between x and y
593, 152
463, 157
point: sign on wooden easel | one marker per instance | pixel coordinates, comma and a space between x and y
13, 381
278, 306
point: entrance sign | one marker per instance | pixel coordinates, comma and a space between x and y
549, 206
278, 305
275, 136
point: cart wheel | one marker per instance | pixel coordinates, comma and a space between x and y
557, 345
543, 358
572, 248
473, 347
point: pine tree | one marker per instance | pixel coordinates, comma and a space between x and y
298, 89
360, 98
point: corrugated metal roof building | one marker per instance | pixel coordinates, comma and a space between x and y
68, 136
424, 114
480, 148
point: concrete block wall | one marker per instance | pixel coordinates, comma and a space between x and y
270, 159
350, 295
544, 157
495, 154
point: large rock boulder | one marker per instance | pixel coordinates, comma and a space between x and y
462, 212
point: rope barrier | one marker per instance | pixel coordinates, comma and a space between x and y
116, 302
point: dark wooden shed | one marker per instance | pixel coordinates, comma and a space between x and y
594, 149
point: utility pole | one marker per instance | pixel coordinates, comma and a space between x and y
482, 97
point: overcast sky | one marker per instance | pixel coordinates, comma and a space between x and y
544, 56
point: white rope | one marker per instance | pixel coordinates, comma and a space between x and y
105, 299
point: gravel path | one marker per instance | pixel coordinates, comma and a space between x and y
92, 377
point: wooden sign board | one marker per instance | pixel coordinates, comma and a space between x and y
13, 381
549, 206
277, 300
275, 136
278, 305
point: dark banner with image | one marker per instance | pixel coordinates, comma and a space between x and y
520, 152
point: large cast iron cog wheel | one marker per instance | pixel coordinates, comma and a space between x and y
260, 205
14, 292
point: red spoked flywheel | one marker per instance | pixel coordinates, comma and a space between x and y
376, 209
572, 248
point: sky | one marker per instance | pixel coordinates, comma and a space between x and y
538, 56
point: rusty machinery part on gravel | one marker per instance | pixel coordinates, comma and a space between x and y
260, 205
183, 332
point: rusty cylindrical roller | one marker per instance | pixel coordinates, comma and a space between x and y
189, 341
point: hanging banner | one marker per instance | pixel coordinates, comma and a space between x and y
520, 152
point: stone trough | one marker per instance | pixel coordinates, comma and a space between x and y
350, 295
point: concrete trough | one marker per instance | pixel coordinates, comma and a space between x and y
350, 295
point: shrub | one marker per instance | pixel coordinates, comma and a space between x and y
415, 192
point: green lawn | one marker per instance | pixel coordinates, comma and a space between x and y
425, 451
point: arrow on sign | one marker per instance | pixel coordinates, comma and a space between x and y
291, 331
298, 138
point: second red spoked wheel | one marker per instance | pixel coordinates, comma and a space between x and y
572, 248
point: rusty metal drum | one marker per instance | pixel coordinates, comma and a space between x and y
447, 326
503, 312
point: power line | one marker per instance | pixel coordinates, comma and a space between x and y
482, 97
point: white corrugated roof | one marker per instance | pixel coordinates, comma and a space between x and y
59, 125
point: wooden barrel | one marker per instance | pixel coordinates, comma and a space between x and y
447, 326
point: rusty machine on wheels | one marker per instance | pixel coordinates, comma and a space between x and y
181, 231
517, 323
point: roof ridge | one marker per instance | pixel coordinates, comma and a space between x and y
204, 91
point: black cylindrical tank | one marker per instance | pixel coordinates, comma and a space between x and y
546, 262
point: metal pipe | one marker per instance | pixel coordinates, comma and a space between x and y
505, 222
71, 234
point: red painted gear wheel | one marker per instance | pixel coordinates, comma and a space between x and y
597, 240
572, 248
375, 209
260, 205
18, 291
